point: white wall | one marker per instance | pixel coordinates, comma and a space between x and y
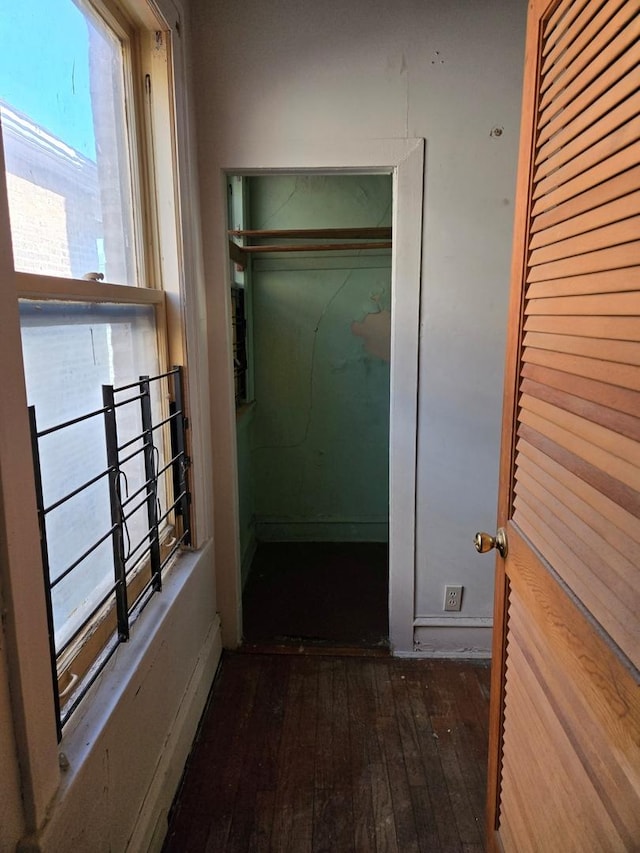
273, 73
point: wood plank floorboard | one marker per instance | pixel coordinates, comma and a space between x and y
333, 753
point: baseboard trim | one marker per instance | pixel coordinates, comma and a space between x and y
443, 654
458, 637
151, 826
453, 622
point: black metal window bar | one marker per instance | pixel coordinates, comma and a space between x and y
127, 557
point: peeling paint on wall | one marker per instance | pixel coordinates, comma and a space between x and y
375, 331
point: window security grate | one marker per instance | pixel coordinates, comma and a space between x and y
165, 507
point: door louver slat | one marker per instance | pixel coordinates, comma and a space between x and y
624, 527
618, 162
625, 352
620, 304
577, 432
597, 197
619, 422
599, 49
605, 214
577, 17
616, 140
616, 398
598, 586
613, 328
624, 255
625, 496
566, 145
624, 231
558, 23
613, 87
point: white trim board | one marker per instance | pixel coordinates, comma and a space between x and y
453, 622
452, 637
404, 159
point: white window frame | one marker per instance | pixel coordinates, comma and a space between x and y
22, 589
150, 190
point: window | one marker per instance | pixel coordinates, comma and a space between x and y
67, 141
70, 351
85, 106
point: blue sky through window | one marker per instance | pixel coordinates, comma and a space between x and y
44, 68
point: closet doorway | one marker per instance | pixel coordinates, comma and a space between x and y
311, 323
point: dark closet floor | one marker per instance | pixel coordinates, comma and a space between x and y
318, 594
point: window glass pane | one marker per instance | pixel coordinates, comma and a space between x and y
62, 107
70, 351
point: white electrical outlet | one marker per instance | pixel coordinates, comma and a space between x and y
452, 597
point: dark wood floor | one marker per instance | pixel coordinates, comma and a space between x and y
329, 753
318, 593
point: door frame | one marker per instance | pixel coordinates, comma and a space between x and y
404, 159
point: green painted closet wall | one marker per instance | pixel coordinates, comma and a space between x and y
319, 430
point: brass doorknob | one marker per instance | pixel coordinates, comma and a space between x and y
484, 542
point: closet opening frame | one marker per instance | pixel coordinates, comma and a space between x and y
404, 160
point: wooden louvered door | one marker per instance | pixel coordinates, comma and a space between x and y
564, 770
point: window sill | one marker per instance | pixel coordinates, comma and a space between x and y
85, 725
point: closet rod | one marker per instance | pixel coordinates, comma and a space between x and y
238, 253
383, 233
314, 247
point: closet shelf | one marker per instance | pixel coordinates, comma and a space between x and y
377, 238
